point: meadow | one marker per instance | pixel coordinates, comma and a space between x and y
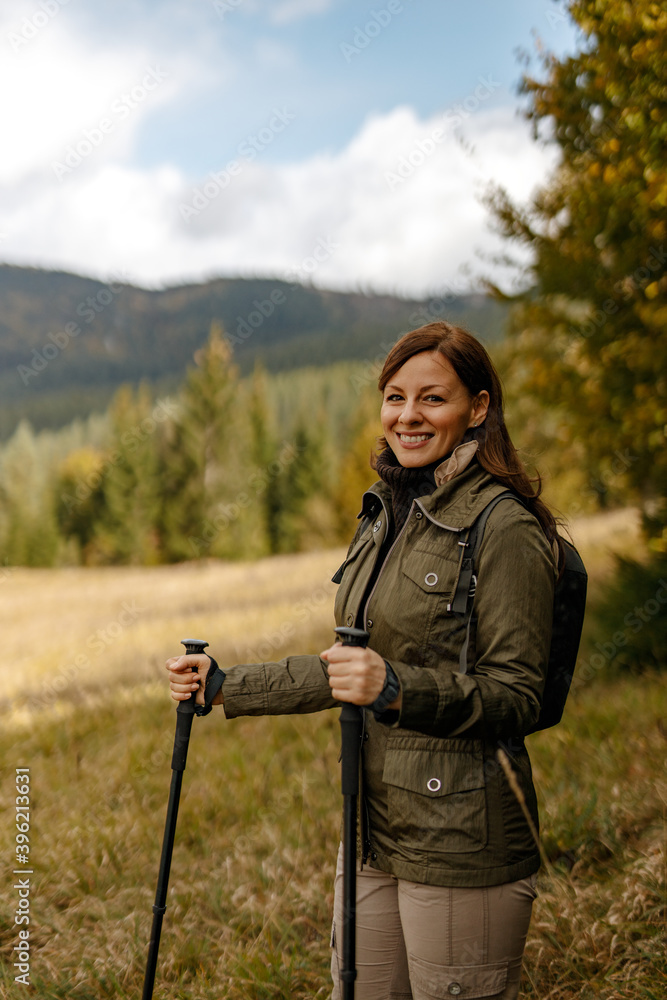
85, 708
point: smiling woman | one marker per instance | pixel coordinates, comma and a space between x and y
457, 397
448, 858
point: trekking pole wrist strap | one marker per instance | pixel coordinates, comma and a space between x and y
214, 680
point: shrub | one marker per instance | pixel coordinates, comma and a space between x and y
629, 621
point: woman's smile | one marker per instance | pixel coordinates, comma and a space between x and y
412, 439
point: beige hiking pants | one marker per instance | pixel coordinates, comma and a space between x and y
422, 942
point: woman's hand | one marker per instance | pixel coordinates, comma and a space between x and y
188, 673
356, 674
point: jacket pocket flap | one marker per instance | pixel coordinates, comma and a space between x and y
433, 772
463, 981
432, 574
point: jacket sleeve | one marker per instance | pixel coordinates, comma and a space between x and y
298, 684
502, 694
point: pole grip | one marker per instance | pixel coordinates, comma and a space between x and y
350, 721
185, 712
190, 707
352, 636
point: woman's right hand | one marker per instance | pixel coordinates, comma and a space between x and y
188, 673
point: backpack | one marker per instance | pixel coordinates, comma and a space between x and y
568, 616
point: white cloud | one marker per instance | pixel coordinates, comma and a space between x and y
396, 209
65, 93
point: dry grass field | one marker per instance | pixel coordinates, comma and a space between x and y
102, 630
85, 708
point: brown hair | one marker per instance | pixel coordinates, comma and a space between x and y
474, 367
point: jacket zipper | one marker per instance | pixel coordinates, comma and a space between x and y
363, 810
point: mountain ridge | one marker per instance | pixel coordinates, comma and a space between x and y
68, 341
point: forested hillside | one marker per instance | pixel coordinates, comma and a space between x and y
68, 342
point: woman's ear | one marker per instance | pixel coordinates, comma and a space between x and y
480, 408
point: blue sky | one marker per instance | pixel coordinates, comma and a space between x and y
167, 140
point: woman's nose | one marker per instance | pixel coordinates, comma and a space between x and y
410, 413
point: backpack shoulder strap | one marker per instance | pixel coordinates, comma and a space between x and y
467, 582
469, 548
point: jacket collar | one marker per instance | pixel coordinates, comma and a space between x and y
459, 460
464, 490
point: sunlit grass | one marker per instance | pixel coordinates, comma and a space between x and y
126, 621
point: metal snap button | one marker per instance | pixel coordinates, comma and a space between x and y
419, 515
377, 525
349, 619
369, 623
454, 989
434, 784
431, 579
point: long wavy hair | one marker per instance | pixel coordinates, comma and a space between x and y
496, 453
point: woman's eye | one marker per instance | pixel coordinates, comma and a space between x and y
393, 398
432, 398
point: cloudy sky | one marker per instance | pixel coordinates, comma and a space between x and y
338, 142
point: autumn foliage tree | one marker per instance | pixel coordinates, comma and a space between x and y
589, 332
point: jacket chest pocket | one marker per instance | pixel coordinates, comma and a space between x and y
427, 583
437, 799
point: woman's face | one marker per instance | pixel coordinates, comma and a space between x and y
426, 410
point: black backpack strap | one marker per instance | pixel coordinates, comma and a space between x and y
466, 583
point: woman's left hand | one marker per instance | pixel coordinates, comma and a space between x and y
356, 674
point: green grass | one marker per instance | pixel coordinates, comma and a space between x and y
250, 892
598, 927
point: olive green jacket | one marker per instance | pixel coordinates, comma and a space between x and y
436, 806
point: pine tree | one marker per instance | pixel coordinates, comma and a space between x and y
127, 529
197, 487
28, 530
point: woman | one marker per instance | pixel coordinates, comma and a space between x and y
448, 864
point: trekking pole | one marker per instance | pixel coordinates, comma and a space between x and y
184, 715
351, 721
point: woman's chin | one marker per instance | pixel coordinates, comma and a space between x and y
413, 459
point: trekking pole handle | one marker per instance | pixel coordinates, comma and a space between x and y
352, 636
351, 721
190, 706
